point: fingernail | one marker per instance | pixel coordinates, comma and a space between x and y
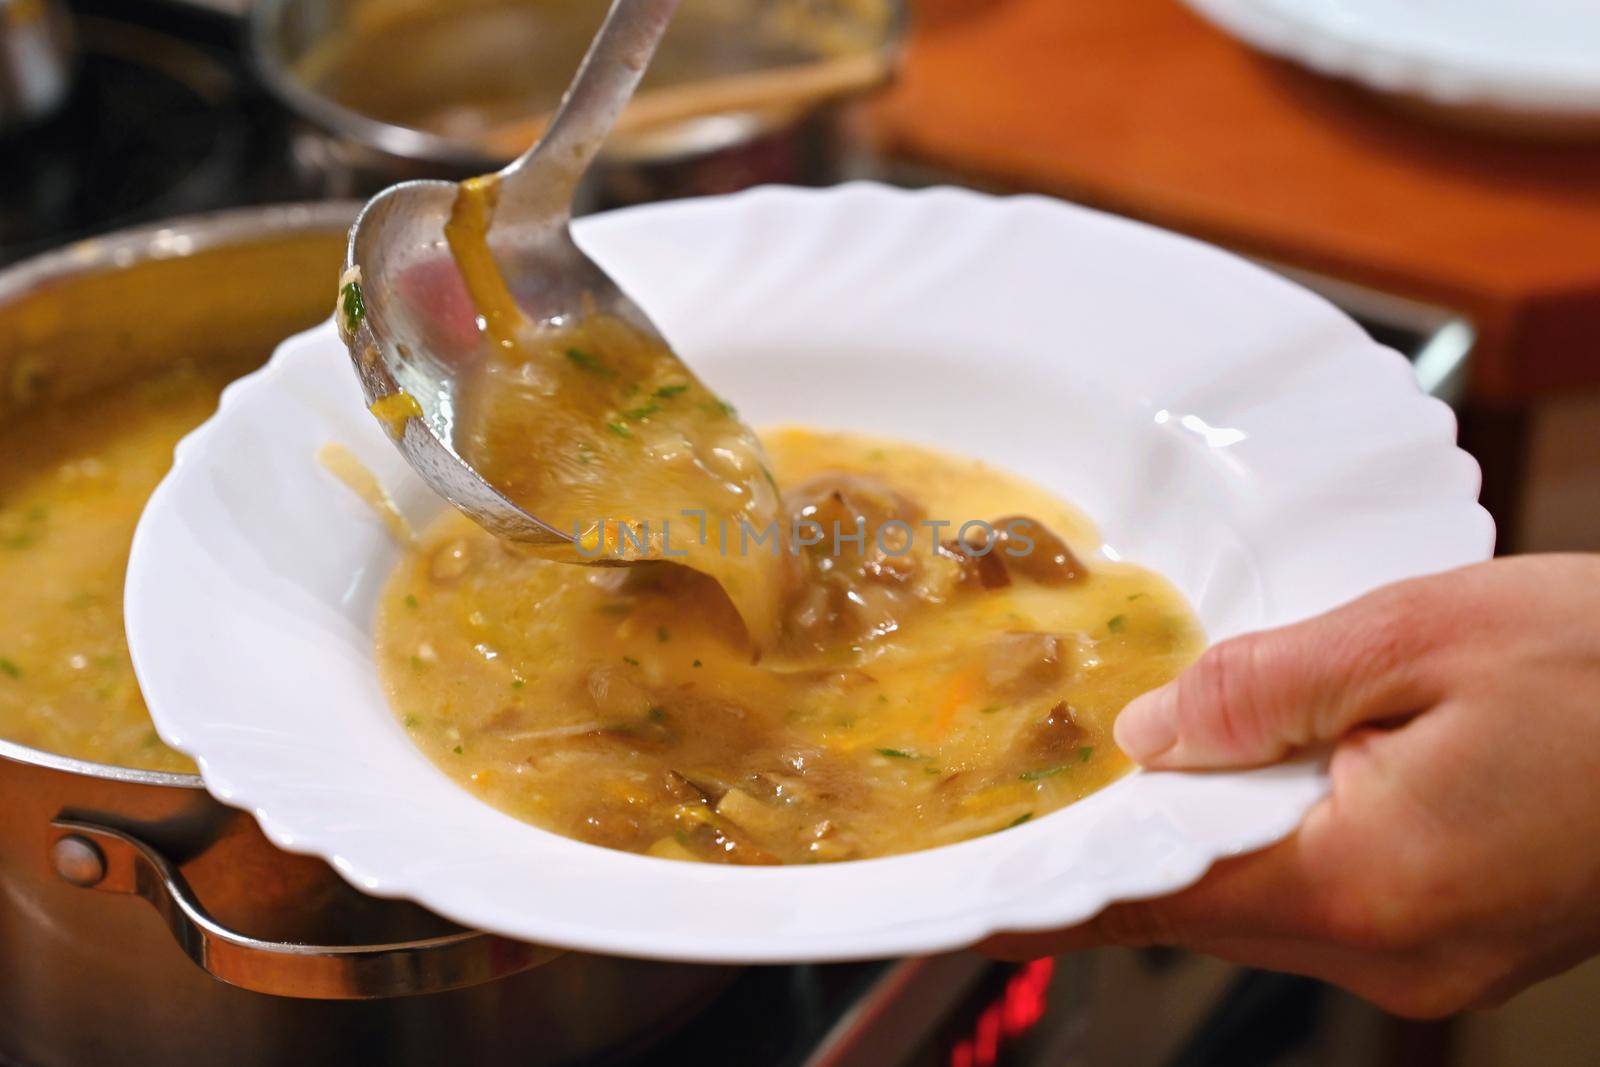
1148, 726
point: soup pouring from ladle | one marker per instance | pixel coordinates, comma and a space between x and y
402, 310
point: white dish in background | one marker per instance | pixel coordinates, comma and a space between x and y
1538, 57
1224, 426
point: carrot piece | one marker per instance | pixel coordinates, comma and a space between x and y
961, 690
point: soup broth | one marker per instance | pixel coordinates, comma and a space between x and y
931, 685
76, 476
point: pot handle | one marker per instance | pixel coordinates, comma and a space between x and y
92, 856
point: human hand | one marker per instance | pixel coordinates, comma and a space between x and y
1457, 857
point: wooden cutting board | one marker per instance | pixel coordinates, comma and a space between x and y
1140, 107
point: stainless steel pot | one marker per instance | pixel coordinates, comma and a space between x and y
115, 884
346, 151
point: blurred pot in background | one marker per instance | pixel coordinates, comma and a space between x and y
742, 91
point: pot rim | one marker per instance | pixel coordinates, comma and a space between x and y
174, 238
12, 752
185, 235
267, 58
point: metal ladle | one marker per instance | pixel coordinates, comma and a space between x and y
393, 310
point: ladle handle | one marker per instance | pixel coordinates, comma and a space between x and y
544, 177
92, 856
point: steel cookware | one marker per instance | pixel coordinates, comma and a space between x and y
142, 922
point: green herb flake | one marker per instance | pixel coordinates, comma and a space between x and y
658, 714
517, 683
630, 661
410, 722
697, 663
456, 750
411, 600
637, 414
663, 635
896, 753
1085, 754
1019, 820
585, 361
9, 668
417, 664
933, 770
667, 392
991, 709
1134, 596
1117, 623
354, 305
1048, 772
619, 429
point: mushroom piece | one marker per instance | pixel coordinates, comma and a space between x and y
1031, 549
727, 844
979, 563
683, 790
1023, 662
852, 589
1057, 734
611, 827
989, 554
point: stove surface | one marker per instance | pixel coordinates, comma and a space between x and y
163, 120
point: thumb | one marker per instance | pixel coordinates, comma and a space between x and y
1253, 699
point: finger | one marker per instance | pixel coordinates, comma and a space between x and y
1253, 699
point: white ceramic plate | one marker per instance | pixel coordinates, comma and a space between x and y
1538, 56
1226, 427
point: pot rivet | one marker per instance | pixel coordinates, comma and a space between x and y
78, 860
